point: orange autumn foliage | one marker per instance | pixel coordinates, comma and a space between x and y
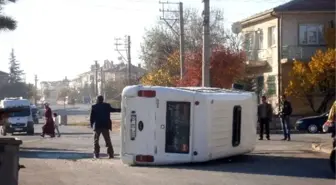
225, 67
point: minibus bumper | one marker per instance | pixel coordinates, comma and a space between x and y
128, 159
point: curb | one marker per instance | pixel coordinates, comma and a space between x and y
281, 132
317, 147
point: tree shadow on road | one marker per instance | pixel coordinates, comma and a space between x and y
42, 149
265, 165
46, 153
66, 155
76, 133
25, 134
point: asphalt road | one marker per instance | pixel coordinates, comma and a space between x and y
273, 162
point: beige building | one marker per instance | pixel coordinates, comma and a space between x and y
54, 88
107, 72
274, 38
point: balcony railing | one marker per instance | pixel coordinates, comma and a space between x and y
303, 53
256, 57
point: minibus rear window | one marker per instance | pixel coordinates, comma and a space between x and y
177, 127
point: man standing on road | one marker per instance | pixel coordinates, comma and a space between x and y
101, 123
285, 112
265, 114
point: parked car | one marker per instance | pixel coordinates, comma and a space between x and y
312, 124
35, 115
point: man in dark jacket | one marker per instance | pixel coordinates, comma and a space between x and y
101, 124
285, 112
265, 114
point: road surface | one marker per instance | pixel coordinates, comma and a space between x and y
77, 113
67, 161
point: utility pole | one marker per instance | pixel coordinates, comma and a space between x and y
128, 41
171, 26
35, 91
181, 40
101, 81
206, 45
96, 78
127, 48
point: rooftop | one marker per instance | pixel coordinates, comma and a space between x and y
3, 73
298, 6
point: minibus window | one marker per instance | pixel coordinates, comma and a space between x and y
177, 127
236, 125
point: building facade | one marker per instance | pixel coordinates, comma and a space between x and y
277, 37
53, 88
108, 72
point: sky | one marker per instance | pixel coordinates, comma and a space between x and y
62, 38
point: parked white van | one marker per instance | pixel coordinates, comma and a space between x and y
164, 125
18, 121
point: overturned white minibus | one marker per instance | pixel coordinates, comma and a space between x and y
164, 125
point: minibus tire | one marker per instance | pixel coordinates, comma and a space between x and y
332, 161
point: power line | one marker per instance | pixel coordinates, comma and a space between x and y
127, 49
151, 2
35, 90
171, 26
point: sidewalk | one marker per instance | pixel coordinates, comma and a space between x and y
325, 147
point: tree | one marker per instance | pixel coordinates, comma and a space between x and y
113, 89
64, 92
92, 88
73, 93
167, 75
15, 73
315, 79
226, 66
19, 89
160, 42
234, 41
6, 22
46, 93
110, 89
30, 91
301, 85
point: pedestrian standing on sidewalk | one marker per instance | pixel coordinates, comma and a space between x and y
285, 112
265, 114
56, 121
101, 123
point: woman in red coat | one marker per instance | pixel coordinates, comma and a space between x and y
49, 127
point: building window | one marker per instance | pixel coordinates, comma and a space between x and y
113, 77
260, 39
311, 34
271, 36
248, 41
271, 85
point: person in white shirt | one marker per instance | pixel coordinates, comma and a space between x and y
56, 121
